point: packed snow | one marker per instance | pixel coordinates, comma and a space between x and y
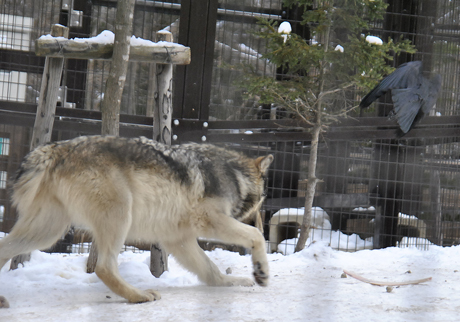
304, 286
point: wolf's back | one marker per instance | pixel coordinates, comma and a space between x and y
91, 165
94, 159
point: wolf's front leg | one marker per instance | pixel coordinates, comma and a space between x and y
231, 231
190, 255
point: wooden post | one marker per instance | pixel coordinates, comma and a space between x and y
158, 260
163, 97
151, 91
92, 258
436, 206
162, 114
46, 109
377, 228
51, 80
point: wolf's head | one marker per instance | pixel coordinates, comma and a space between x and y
252, 191
230, 178
262, 164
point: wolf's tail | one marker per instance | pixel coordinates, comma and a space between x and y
32, 173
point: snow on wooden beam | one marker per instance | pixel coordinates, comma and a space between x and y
101, 47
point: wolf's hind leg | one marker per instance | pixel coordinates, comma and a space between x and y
109, 237
189, 254
40, 228
231, 231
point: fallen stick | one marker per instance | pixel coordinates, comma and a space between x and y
366, 280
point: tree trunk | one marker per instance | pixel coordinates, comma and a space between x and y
311, 188
117, 76
110, 106
312, 180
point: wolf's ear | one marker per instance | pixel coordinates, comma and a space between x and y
264, 162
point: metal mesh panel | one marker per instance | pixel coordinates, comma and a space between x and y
374, 192
237, 44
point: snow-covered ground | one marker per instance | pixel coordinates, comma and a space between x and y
305, 286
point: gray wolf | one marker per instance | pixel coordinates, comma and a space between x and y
124, 189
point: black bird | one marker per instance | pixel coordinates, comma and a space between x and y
412, 93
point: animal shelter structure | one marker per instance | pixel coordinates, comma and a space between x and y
376, 190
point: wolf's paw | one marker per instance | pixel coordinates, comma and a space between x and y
260, 274
146, 296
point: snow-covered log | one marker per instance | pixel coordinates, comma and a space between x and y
101, 47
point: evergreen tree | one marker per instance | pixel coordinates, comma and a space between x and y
324, 74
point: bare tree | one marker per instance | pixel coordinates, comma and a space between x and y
110, 106
118, 69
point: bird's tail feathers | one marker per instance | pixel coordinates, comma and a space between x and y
407, 106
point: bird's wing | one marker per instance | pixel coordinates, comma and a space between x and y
431, 90
407, 104
405, 76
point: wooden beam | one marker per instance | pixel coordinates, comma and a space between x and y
328, 201
161, 52
368, 128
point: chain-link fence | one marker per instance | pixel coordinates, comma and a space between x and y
376, 191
